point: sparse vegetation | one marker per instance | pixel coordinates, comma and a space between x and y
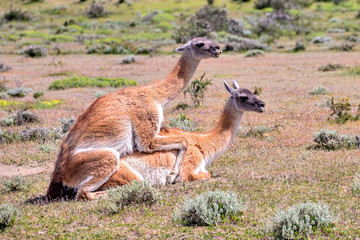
320, 90
254, 53
66, 123
299, 46
128, 60
16, 15
184, 123
302, 220
209, 209
356, 184
8, 214
38, 94
36, 51
354, 71
4, 68
340, 111
79, 81
258, 91
330, 67
96, 10
133, 193
197, 90
330, 140
260, 131
20, 118
18, 92
17, 183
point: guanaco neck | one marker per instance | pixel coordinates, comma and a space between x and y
222, 136
175, 82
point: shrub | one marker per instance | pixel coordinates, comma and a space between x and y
321, 39
17, 183
340, 111
209, 209
299, 46
128, 60
330, 67
182, 106
302, 220
22, 117
133, 193
3, 85
254, 53
78, 82
16, 15
344, 46
46, 148
99, 94
96, 10
184, 123
8, 215
33, 1
331, 140
197, 90
38, 94
18, 92
260, 131
358, 14
4, 68
36, 51
258, 91
243, 44
66, 123
354, 71
319, 91
33, 134
356, 185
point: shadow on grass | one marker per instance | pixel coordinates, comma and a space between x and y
68, 195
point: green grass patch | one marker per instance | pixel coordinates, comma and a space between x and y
355, 71
46, 104
34, 34
61, 38
80, 81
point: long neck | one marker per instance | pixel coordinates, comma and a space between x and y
220, 138
175, 82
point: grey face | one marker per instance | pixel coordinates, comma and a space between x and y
201, 48
244, 100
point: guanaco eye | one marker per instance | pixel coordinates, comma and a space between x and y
244, 98
199, 44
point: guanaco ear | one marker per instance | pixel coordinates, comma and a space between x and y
181, 49
235, 84
228, 88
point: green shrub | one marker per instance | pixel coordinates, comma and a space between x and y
16, 15
18, 92
260, 131
354, 71
99, 94
134, 193
20, 118
254, 53
299, 46
38, 94
8, 215
197, 90
36, 51
341, 111
182, 106
331, 140
96, 10
46, 148
343, 46
66, 123
17, 183
209, 209
319, 91
4, 68
356, 185
184, 123
301, 220
78, 82
258, 91
128, 60
330, 67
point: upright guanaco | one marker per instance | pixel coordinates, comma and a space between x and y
118, 123
203, 148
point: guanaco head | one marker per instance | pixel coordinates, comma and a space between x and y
243, 99
201, 48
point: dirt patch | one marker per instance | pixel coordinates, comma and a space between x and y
10, 170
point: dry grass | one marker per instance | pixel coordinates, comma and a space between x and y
268, 173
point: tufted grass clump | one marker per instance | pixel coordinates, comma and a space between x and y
18, 92
79, 82
320, 90
330, 140
20, 118
254, 53
128, 60
4, 68
184, 123
66, 123
96, 10
260, 131
330, 67
36, 51
8, 215
355, 71
134, 193
38, 94
17, 183
197, 90
301, 220
209, 209
16, 15
340, 111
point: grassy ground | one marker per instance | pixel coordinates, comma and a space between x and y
268, 173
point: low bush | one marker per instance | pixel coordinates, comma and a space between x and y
16, 15
343, 46
99, 94
36, 51
96, 10
254, 53
4, 68
197, 90
79, 81
133, 193
321, 39
330, 67
340, 111
331, 140
8, 214
239, 44
17, 183
66, 123
128, 60
20, 118
258, 90
184, 123
299, 46
209, 209
319, 91
260, 131
18, 92
354, 70
38, 94
181, 106
301, 220
356, 185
